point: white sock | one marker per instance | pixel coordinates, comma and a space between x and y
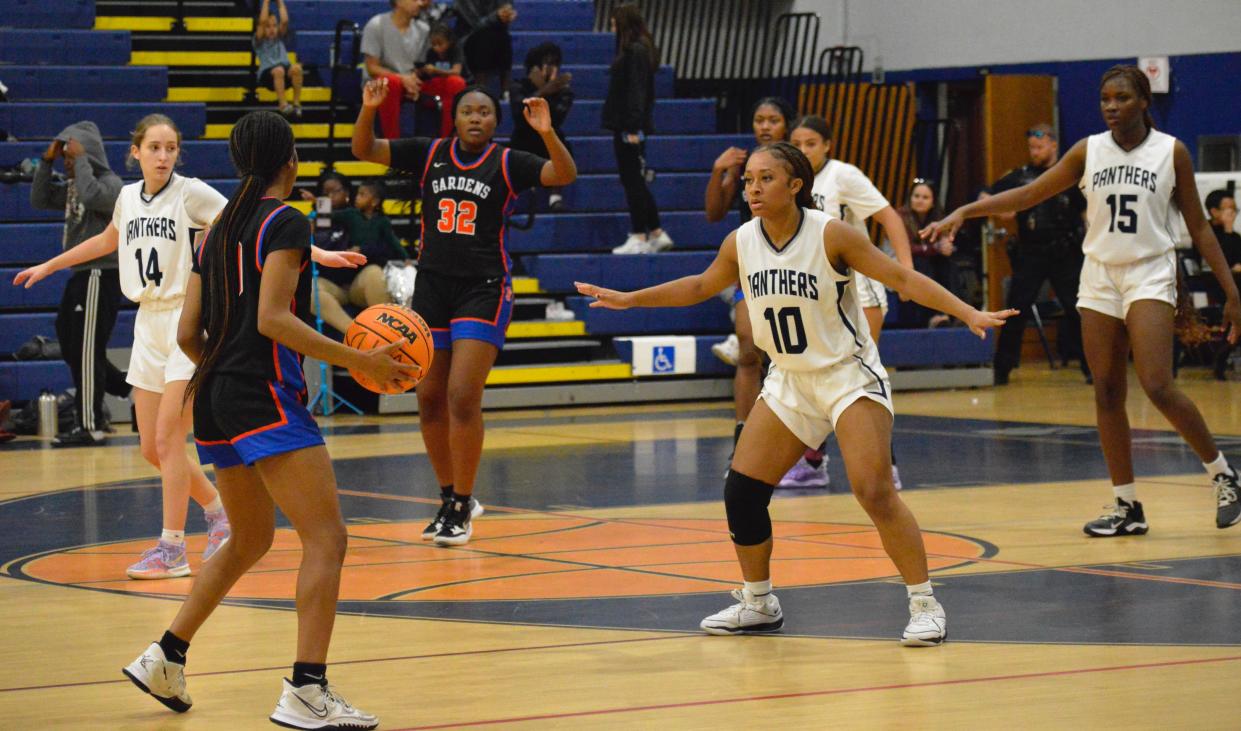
758, 588
214, 506
175, 537
923, 589
1218, 466
1128, 493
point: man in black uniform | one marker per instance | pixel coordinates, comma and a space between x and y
1048, 247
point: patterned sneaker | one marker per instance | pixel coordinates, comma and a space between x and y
751, 615
458, 524
1123, 519
218, 532
804, 474
317, 706
1228, 512
928, 626
728, 350
162, 561
433, 528
162, 678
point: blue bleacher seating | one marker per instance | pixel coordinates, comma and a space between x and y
21, 381
557, 272
601, 232
86, 83
77, 47
43, 14
199, 158
43, 294
29, 243
707, 317
115, 119
17, 328
577, 48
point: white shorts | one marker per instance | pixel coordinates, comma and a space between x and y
810, 403
1112, 288
870, 292
156, 359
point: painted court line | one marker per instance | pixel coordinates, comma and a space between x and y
825, 692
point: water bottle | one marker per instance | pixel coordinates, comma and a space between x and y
48, 421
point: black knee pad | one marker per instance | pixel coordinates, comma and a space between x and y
746, 500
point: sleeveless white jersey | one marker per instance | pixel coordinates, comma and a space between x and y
846, 193
804, 314
1128, 198
156, 235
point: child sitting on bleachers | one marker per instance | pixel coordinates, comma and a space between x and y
445, 57
543, 78
273, 58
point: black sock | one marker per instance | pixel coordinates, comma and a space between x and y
305, 673
174, 647
462, 500
737, 433
445, 493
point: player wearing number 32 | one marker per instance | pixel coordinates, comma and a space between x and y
1134, 179
796, 266
464, 290
152, 229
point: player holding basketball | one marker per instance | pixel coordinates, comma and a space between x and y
1134, 178
244, 324
796, 266
464, 289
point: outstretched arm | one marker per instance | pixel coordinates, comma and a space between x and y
101, 244
1064, 173
681, 292
1186, 195
364, 146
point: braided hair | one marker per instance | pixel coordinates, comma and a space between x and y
260, 145
1140, 83
798, 166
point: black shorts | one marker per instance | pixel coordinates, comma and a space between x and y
464, 308
266, 80
240, 420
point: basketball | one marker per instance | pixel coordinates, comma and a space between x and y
380, 325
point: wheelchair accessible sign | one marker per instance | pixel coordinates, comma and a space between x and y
664, 355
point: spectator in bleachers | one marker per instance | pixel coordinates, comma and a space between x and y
445, 58
365, 229
1222, 209
333, 186
544, 79
482, 26
275, 66
931, 258
628, 111
92, 296
395, 46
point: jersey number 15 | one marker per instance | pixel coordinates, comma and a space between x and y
457, 217
1124, 218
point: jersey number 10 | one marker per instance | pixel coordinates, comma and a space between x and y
787, 329
150, 271
457, 217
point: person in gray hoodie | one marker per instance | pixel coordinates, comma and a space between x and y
89, 305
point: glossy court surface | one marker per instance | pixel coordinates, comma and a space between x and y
576, 604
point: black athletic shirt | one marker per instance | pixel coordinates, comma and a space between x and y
247, 352
464, 201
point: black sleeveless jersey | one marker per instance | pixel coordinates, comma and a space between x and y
247, 352
465, 201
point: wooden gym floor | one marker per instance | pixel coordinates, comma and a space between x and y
576, 605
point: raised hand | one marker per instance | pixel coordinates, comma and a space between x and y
733, 157
537, 114
944, 229
609, 299
374, 93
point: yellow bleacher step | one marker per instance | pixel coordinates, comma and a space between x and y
546, 329
354, 169
237, 94
215, 59
391, 207
506, 376
301, 131
158, 24
527, 285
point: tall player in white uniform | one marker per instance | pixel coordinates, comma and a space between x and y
796, 266
1134, 179
153, 227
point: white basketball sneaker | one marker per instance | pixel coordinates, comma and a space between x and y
928, 625
752, 614
162, 678
317, 706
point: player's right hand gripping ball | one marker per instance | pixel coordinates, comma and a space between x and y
379, 325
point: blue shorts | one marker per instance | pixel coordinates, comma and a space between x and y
240, 420
464, 308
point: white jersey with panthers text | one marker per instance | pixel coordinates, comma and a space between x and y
1128, 198
805, 315
156, 235
845, 192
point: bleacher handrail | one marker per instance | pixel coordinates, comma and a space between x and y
337, 66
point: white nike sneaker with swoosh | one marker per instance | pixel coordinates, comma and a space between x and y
162, 678
317, 706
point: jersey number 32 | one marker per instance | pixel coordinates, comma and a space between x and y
457, 217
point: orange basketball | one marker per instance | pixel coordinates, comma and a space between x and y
379, 325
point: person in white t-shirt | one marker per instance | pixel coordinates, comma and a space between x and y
153, 228
796, 266
1135, 178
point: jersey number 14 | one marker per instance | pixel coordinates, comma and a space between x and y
149, 271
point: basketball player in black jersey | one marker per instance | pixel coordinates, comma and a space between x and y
244, 325
464, 289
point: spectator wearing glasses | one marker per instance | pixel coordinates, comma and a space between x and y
1047, 247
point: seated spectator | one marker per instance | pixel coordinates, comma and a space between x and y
482, 26
332, 185
445, 57
366, 229
395, 46
273, 58
543, 78
932, 259
1222, 208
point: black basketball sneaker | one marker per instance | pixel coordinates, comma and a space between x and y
1123, 519
1228, 502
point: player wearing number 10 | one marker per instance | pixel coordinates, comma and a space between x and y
796, 266
1134, 178
464, 290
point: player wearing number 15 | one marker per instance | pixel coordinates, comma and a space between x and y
464, 289
796, 266
1134, 178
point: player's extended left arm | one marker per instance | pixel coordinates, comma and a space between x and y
560, 169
